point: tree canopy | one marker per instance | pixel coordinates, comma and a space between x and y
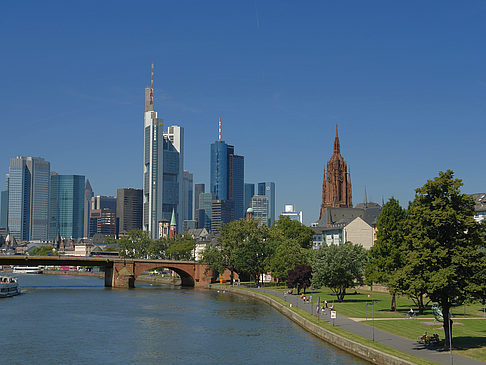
299, 277
339, 267
292, 230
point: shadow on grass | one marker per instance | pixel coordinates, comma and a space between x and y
468, 342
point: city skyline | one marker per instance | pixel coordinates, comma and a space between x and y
406, 88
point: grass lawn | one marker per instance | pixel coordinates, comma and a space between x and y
469, 335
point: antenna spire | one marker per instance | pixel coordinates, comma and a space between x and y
219, 129
152, 86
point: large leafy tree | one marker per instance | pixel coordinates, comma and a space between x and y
291, 229
181, 248
387, 254
339, 267
287, 255
444, 244
135, 245
299, 277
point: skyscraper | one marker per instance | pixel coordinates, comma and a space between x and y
162, 170
88, 194
66, 208
336, 185
3, 212
129, 204
268, 189
205, 210
221, 212
198, 189
227, 175
249, 192
259, 204
188, 194
28, 198
103, 202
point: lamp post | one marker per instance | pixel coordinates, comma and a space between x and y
450, 336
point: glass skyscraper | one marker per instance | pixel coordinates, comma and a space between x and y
259, 204
67, 206
28, 198
3, 211
268, 189
249, 193
188, 192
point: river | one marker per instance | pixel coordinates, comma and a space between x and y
62, 319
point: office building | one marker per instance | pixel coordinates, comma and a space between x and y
103, 202
259, 205
268, 189
28, 198
102, 221
66, 206
205, 210
129, 206
221, 212
163, 169
88, 194
188, 193
289, 211
3, 212
198, 189
249, 193
227, 176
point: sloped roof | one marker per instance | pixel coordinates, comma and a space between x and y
479, 202
337, 218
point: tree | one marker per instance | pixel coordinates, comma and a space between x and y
387, 254
444, 244
41, 251
339, 267
135, 245
299, 277
293, 230
158, 248
287, 256
181, 248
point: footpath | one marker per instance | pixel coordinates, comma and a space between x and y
402, 344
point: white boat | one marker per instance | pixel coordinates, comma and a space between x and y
27, 270
9, 286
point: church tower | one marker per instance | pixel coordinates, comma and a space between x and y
336, 184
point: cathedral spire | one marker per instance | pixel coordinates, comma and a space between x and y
365, 201
336, 143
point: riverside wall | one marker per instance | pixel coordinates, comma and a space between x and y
353, 347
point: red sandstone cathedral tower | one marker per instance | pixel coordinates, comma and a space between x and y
336, 185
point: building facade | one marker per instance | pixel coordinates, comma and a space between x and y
66, 207
289, 211
205, 210
268, 189
88, 194
162, 170
260, 207
102, 221
129, 206
198, 189
249, 193
188, 193
103, 202
28, 198
221, 212
336, 184
3, 212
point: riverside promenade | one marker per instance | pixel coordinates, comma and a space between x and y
402, 344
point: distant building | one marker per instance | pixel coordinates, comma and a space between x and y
88, 194
205, 210
479, 206
249, 193
102, 222
28, 198
289, 211
268, 189
198, 189
66, 206
221, 212
103, 202
164, 228
188, 224
3, 212
188, 193
259, 205
129, 204
163, 169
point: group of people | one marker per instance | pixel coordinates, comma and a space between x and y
324, 308
425, 338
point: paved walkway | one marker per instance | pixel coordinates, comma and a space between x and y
399, 343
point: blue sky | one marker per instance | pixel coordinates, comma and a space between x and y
405, 82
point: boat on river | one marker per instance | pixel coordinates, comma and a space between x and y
27, 270
9, 286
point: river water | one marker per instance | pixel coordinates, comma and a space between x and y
75, 320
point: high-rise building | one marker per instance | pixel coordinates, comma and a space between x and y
103, 202
336, 185
188, 193
66, 207
88, 194
227, 175
129, 204
163, 169
249, 193
221, 212
268, 189
28, 198
198, 189
289, 211
259, 204
205, 210
3, 212
102, 221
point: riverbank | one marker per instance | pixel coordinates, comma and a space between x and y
352, 336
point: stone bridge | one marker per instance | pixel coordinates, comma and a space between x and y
119, 272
